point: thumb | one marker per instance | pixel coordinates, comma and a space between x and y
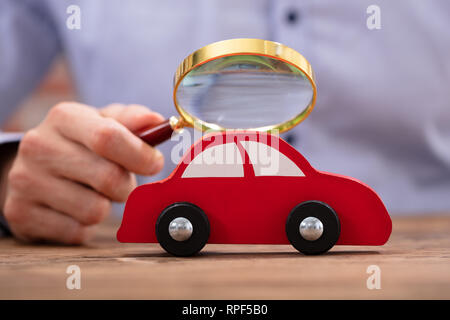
134, 117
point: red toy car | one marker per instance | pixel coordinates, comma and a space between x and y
252, 188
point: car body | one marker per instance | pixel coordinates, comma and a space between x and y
248, 198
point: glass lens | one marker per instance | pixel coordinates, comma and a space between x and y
244, 92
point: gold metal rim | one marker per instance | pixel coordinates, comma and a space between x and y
232, 47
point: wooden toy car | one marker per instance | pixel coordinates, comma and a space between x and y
245, 187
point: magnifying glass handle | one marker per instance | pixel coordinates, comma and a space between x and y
161, 132
157, 134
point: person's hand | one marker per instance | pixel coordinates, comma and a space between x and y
70, 167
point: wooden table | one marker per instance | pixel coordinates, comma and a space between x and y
414, 264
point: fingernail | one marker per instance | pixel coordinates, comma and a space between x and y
159, 161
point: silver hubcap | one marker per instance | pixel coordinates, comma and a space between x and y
180, 229
311, 228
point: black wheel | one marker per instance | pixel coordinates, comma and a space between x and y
189, 229
313, 227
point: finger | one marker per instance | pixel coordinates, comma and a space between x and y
106, 137
135, 117
72, 161
31, 222
83, 204
112, 110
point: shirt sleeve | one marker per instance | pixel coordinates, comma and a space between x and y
28, 44
4, 228
8, 144
10, 137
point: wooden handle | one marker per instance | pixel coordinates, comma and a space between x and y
157, 134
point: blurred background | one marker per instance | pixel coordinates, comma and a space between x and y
56, 86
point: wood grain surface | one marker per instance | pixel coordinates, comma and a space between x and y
415, 264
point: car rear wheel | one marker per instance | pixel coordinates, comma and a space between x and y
182, 229
313, 227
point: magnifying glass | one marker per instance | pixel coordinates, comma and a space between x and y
239, 84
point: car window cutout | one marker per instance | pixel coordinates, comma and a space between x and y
268, 161
222, 160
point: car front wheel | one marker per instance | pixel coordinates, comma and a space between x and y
313, 227
182, 229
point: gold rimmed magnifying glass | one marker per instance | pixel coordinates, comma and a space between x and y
239, 84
